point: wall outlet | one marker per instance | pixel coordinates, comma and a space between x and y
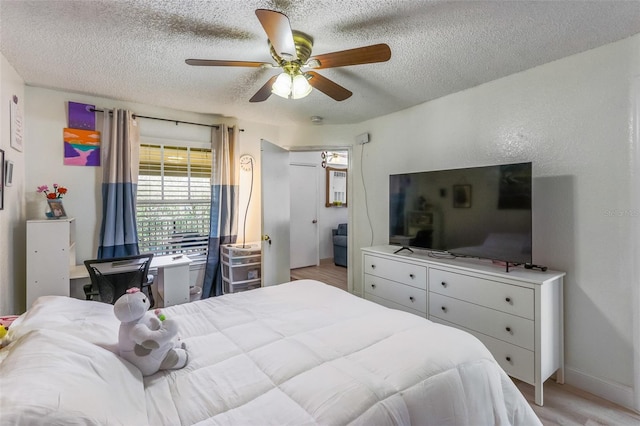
363, 138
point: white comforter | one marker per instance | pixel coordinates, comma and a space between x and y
307, 353
301, 353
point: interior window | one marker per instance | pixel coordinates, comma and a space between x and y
173, 200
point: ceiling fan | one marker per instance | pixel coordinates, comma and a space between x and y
291, 50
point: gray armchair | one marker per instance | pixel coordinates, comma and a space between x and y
340, 245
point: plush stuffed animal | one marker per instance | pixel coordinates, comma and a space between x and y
146, 341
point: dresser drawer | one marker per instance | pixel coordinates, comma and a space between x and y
514, 360
509, 328
392, 305
405, 295
406, 273
507, 298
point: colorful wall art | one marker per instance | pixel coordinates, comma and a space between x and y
81, 147
82, 116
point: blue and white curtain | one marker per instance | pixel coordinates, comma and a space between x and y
224, 205
120, 150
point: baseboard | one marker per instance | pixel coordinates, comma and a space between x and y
611, 391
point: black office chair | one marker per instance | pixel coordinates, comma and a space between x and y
111, 278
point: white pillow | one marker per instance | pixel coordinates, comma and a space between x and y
53, 378
92, 321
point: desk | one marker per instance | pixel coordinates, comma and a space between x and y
172, 279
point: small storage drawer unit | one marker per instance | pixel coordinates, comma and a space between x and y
241, 267
518, 315
397, 285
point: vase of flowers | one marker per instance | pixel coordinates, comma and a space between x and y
54, 210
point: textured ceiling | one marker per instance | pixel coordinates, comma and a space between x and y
135, 50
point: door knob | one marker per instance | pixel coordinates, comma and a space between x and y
314, 221
265, 237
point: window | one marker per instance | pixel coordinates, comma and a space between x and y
173, 200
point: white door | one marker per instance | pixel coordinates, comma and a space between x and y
304, 215
275, 214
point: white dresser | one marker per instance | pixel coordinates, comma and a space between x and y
518, 314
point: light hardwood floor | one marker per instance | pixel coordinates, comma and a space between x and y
567, 405
563, 404
327, 272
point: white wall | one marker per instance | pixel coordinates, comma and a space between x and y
328, 217
12, 226
571, 118
47, 117
42, 163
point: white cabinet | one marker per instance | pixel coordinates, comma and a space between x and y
51, 252
172, 279
240, 267
518, 315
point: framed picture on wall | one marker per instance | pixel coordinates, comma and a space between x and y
462, 196
8, 173
15, 124
1, 179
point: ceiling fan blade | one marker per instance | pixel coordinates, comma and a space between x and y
328, 87
357, 56
278, 30
265, 91
216, 63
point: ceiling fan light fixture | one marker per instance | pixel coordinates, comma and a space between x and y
300, 87
282, 86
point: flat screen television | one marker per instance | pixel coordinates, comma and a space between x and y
482, 212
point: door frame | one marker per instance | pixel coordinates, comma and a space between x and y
350, 204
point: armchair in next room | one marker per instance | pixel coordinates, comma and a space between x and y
340, 245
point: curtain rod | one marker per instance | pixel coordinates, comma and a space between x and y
166, 119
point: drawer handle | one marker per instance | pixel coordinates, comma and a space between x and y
411, 298
373, 286
509, 330
412, 276
444, 309
508, 359
508, 300
373, 266
443, 284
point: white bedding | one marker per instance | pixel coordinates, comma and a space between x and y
307, 353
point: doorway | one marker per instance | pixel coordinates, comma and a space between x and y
313, 218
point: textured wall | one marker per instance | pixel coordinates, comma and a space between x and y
572, 119
12, 228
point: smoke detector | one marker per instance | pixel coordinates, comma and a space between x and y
316, 119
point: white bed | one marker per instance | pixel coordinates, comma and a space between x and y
294, 354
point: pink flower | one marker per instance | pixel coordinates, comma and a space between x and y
57, 192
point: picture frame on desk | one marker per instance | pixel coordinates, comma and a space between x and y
57, 209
